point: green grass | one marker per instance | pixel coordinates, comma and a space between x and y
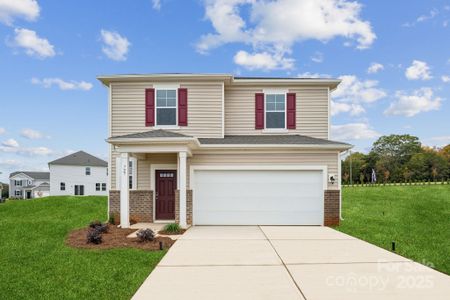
36, 264
417, 218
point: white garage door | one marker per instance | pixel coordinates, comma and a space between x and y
257, 197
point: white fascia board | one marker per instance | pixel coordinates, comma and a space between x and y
275, 146
23, 174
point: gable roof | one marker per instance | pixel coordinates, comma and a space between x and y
34, 175
80, 158
269, 140
158, 133
228, 79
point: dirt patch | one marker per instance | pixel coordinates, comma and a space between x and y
115, 238
171, 233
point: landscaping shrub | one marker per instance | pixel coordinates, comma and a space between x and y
145, 235
172, 228
97, 225
94, 236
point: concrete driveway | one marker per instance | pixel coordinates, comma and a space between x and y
286, 262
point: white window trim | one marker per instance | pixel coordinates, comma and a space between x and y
275, 130
164, 86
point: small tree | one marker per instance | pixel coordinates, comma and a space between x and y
386, 174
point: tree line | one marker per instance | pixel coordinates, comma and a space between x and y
397, 158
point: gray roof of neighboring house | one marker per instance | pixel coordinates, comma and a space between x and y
269, 140
159, 133
80, 158
34, 175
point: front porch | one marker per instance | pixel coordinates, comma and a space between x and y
150, 185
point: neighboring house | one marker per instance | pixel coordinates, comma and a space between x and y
222, 150
29, 185
78, 174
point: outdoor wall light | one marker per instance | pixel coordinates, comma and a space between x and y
332, 179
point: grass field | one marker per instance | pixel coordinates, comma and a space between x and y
417, 218
36, 264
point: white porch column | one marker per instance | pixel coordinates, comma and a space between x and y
124, 191
182, 187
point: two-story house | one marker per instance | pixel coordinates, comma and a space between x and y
78, 174
204, 149
29, 185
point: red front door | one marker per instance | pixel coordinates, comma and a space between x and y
166, 184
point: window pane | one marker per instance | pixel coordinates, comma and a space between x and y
161, 102
280, 98
280, 106
270, 98
166, 116
171, 94
270, 106
161, 94
171, 102
275, 120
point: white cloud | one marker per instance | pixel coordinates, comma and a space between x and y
352, 94
11, 143
32, 151
353, 109
10, 163
445, 78
418, 70
422, 18
32, 43
375, 68
32, 134
275, 26
313, 75
62, 84
317, 57
2, 130
262, 61
156, 4
24, 9
115, 46
438, 141
355, 90
421, 100
353, 131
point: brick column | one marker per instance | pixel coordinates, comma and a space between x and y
331, 213
141, 206
188, 206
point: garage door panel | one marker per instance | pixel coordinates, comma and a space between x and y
231, 197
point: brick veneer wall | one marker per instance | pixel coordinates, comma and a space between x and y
188, 206
141, 206
331, 213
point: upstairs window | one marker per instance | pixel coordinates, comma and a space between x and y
62, 186
166, 107
88, 171
18, 182
275, 111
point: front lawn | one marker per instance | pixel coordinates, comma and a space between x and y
35, 263
417, 218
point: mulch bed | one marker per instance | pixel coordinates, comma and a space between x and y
171, 233
115, 238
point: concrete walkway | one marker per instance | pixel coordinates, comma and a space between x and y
286, 262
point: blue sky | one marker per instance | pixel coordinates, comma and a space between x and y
393, 58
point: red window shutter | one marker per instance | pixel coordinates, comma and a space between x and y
182, 107
259, 111
149, 107
290, 111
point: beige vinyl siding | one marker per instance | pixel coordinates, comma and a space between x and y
311, 117
204, 109
316, 157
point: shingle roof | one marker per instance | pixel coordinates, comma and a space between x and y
269, 140
80, 158
34, 175
159, 133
